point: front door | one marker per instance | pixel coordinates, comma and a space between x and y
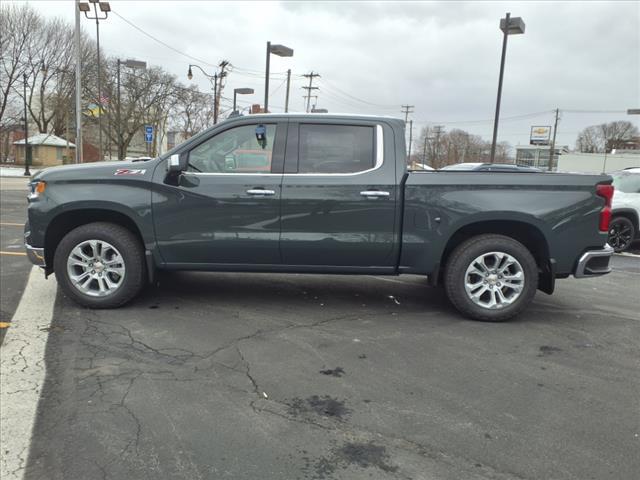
339, 197
224, 210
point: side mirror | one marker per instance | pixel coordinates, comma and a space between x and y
178, 163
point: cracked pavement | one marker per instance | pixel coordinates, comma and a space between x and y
329, 377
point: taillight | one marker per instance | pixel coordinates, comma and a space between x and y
606, 192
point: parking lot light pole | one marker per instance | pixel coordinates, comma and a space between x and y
105, 8
27, 151
281, 51
509, 26
131, 64
241, 91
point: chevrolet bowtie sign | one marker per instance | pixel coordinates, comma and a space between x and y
540, 135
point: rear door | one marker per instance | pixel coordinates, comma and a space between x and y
339, 196
225, 210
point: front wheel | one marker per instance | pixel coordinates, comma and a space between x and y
100, 265
621, 233
491, 278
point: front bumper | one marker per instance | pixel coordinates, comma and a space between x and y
35, 255
594, 262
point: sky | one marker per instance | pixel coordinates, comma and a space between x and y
441, 57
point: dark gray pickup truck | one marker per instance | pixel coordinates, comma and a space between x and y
315, 194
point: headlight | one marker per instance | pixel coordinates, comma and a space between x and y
36, 189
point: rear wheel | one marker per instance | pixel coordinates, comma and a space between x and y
491, 278
621, 233
100, 265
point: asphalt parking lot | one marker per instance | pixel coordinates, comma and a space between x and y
215, 375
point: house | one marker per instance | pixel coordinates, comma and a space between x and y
46, 150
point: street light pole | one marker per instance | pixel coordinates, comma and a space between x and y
286, 100
27, 150
266, 80
104, 8
508, 26
130, 64
281, 51
241, 91
78, 88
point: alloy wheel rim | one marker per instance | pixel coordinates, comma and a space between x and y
494, 280
96, 268
619, 235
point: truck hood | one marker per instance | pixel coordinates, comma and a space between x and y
96, 171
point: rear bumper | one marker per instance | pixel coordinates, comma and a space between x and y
594, 262
35, 255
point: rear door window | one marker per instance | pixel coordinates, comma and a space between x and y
327, 149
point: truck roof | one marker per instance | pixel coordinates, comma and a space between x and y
317, 115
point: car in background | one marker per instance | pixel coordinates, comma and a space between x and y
489, 167
625, 209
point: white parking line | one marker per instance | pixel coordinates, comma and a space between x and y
22, 372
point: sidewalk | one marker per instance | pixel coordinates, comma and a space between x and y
14, 171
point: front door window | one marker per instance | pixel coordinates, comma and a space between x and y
244, 149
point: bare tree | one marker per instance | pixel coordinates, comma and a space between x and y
590, 141
16, 26
145, 99
606, 136
192, 111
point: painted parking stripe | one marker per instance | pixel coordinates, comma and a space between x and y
11, 224
23, 372
16, 254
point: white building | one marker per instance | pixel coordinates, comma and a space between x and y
538, 155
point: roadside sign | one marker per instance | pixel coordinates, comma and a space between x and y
148, 133
540, 135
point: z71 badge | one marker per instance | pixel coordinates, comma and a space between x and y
130, 171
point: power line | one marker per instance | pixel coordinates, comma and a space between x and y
333, 87
161, 42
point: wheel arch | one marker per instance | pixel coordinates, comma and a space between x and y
66, 221
526, 233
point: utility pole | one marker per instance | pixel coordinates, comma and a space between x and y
218, 87
286, 100
436, 153
553, 142
410, 139
310, 76
424, 148
407, 109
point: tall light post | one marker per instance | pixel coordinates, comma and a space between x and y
241, 91
509, 26
105, 8
281, 51
78, 48
131, 64
27, 150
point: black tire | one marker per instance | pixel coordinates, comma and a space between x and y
462, 258
132, 255
621, 233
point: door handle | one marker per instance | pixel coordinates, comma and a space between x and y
261, 192
374, 193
